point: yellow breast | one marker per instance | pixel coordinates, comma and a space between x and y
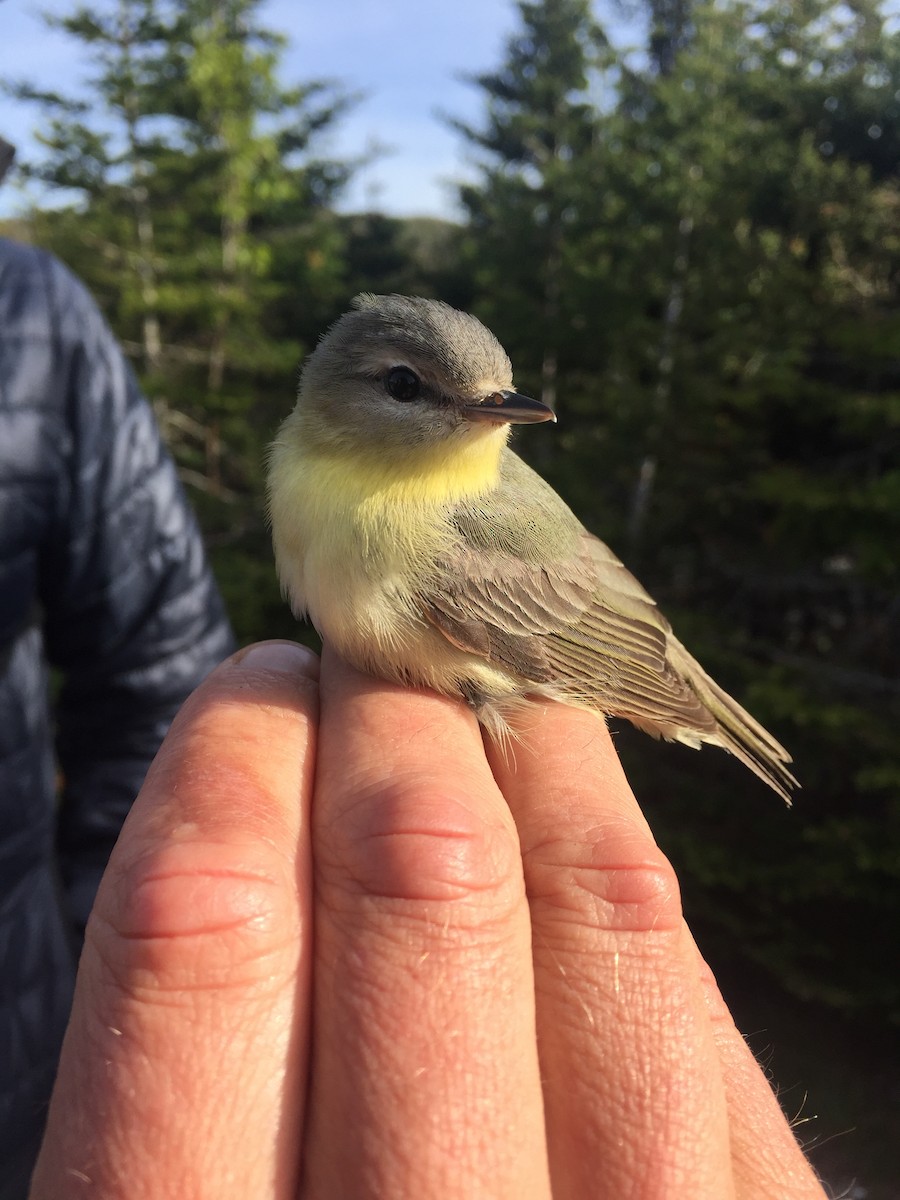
356, 539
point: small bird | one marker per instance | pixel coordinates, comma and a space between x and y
426, 552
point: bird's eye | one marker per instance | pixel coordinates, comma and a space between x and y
402, 383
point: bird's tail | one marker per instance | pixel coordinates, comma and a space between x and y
737, 731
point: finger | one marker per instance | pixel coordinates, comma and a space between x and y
766, 1158
425, 1076
184, 1065
632, 1082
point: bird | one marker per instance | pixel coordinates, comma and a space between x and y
426, 552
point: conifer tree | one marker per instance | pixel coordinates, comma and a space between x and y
539, 121
201, 215
731, 317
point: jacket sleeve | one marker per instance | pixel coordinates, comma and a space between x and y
132, 618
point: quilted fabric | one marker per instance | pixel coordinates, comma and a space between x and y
107, 606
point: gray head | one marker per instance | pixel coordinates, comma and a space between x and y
405, 371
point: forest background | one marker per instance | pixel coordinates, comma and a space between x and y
693, 253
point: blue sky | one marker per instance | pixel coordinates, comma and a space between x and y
405, 55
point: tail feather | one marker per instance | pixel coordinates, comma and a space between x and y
737, 731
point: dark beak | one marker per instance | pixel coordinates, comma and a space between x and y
509, 407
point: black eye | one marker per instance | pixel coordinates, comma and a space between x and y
402, 383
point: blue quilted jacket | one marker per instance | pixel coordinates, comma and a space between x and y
108, 607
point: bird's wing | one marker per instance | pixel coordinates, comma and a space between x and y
528, 589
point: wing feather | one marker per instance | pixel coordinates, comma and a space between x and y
529, 590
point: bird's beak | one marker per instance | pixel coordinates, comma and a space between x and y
509, 407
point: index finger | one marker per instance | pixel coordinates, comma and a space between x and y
184, 1065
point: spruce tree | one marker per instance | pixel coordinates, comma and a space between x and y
539, 120
729, 332
202, 216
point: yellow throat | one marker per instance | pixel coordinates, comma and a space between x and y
350, 526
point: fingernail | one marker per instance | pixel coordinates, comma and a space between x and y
288, 658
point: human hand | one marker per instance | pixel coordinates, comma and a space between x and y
501, 998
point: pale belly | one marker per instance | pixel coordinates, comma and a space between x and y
366, 602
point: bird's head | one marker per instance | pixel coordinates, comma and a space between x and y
399, 373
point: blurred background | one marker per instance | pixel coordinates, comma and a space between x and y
682, 219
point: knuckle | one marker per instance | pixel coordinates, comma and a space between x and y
409, 842
613, 878
193, 917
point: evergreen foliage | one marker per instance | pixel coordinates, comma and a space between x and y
726, 357
202, 214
